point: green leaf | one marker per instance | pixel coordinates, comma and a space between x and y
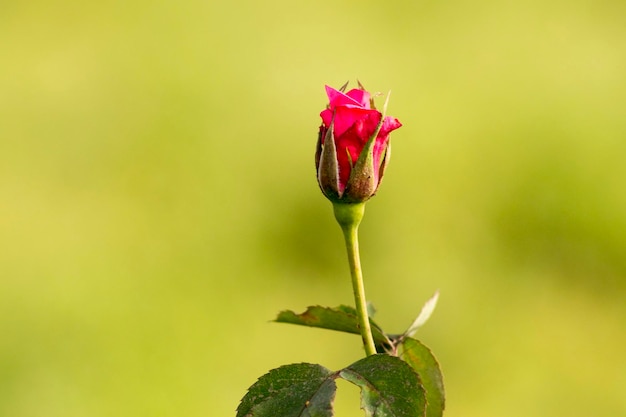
296, 390
389, 387
342, 318
424, 363
425, 313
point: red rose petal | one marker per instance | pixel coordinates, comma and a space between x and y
347, 116
354, 122
327, 117
390, 124
337, 98
361, 96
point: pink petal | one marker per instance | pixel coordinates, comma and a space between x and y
349, 147
379, 146
382, 140
337, 98
351, 142
327, 117
390, 124
367, 125
346, 117
361, 96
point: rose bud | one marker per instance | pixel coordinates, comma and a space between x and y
353, 146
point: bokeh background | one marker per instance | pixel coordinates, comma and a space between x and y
158, 202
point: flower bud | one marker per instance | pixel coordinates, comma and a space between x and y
352, 146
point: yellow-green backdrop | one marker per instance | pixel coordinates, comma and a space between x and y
158, 202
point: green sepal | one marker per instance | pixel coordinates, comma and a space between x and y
361, 185
328, 167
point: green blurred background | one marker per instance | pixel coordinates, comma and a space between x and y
159, 203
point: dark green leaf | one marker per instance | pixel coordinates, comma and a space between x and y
389, 387
296, 390
424, 363
342, 318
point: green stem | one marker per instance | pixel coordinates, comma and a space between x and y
349, 217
